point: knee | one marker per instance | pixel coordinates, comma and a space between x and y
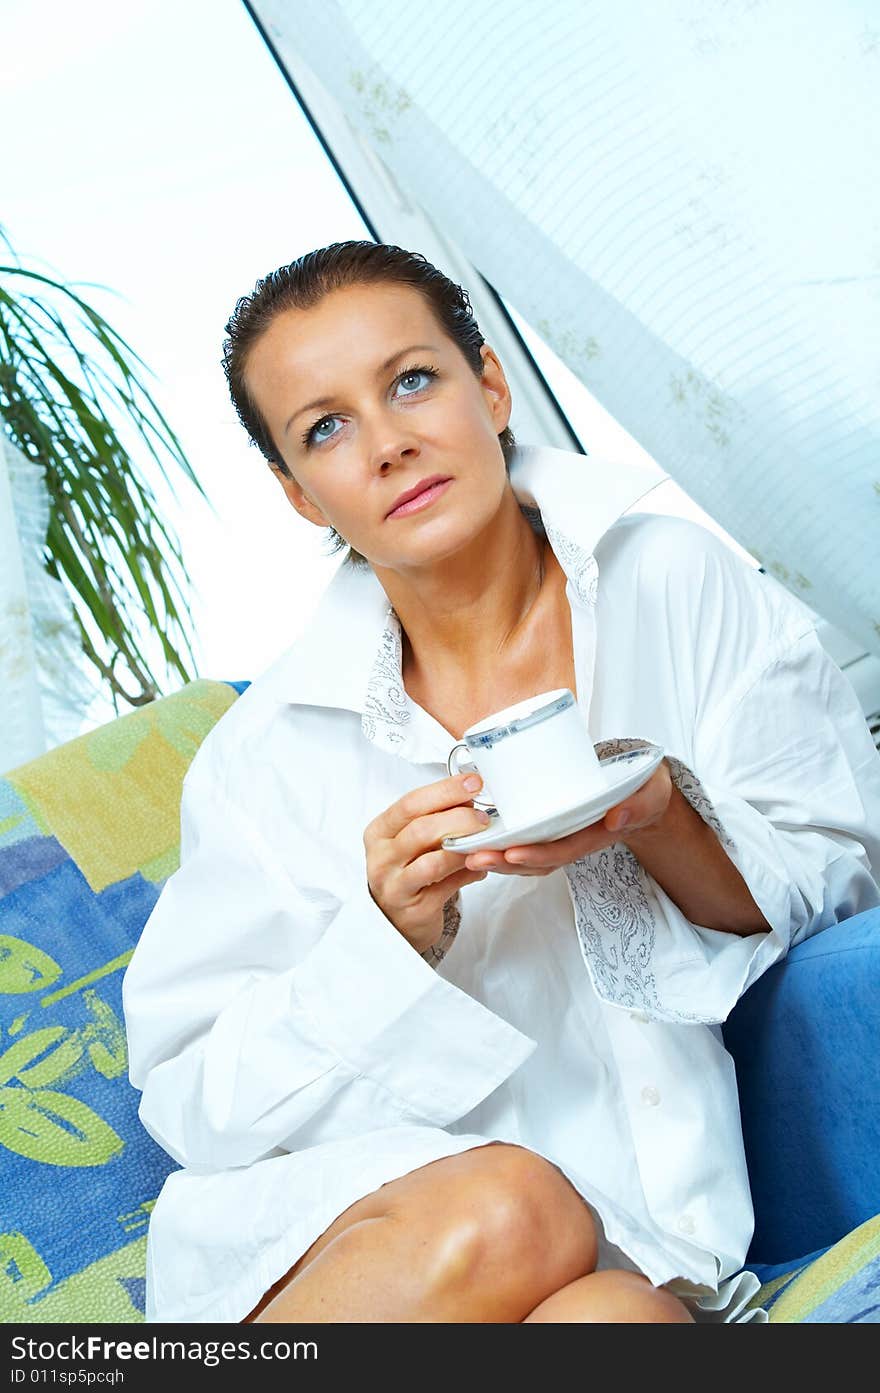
613, 1296
635, 1299
509, 1222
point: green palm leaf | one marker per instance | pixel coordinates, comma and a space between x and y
73, 399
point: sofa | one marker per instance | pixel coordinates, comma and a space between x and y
89, 832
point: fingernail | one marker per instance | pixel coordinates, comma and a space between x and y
482, 815
620, 821
473, 782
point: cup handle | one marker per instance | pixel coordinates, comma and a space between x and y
454, 770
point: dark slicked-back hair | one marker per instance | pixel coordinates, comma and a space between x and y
302, 284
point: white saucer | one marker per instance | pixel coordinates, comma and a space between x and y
625, 773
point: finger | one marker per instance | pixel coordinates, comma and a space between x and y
435, 896
458, 879
534, 858
501, 866
505, 868
595, 837
429, 870
485, 860
539, 855
561, 852
643, 806
427, 833
420, 802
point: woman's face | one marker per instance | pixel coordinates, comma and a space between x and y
366, 399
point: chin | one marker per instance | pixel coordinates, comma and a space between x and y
450, 544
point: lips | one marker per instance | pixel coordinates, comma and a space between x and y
423, 487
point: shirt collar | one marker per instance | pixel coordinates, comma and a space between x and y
349, 656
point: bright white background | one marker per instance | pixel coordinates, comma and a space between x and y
154, 148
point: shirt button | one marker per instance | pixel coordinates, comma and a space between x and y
686, 1224
640, 1017
650, 1097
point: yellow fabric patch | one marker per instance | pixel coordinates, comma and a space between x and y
822, 1278
100, 1293
124, 815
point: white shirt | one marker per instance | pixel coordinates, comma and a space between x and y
295, 1052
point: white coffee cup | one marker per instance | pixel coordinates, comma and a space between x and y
536, 757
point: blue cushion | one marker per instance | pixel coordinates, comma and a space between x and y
805, 1042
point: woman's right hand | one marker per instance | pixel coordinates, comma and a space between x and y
409, 874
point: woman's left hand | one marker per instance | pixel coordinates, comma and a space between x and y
640, 815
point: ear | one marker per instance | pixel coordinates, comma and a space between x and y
300, 500
495, 388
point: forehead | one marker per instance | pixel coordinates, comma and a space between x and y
353, 328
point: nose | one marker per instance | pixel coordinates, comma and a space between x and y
390, 443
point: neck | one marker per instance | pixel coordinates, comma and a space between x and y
465, 616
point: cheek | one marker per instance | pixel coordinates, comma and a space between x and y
341, 499
466, 413
473, 433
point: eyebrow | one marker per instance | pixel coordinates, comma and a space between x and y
383, 367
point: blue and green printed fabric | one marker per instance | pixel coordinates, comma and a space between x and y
89, 832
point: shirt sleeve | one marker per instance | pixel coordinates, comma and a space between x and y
783, 768
791, 783
259, 1023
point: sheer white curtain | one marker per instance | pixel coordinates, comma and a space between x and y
44, 692
683, 198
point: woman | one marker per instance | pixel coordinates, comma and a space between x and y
408, 1084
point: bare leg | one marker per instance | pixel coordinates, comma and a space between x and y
612, 1296
482, 1236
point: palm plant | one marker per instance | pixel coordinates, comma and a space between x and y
72, 393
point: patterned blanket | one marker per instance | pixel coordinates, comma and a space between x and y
89, 832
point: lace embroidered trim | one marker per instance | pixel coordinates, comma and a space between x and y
579, 565
385, 708
612, 898
451, 920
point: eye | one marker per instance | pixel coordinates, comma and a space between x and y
313, 436
409, 374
